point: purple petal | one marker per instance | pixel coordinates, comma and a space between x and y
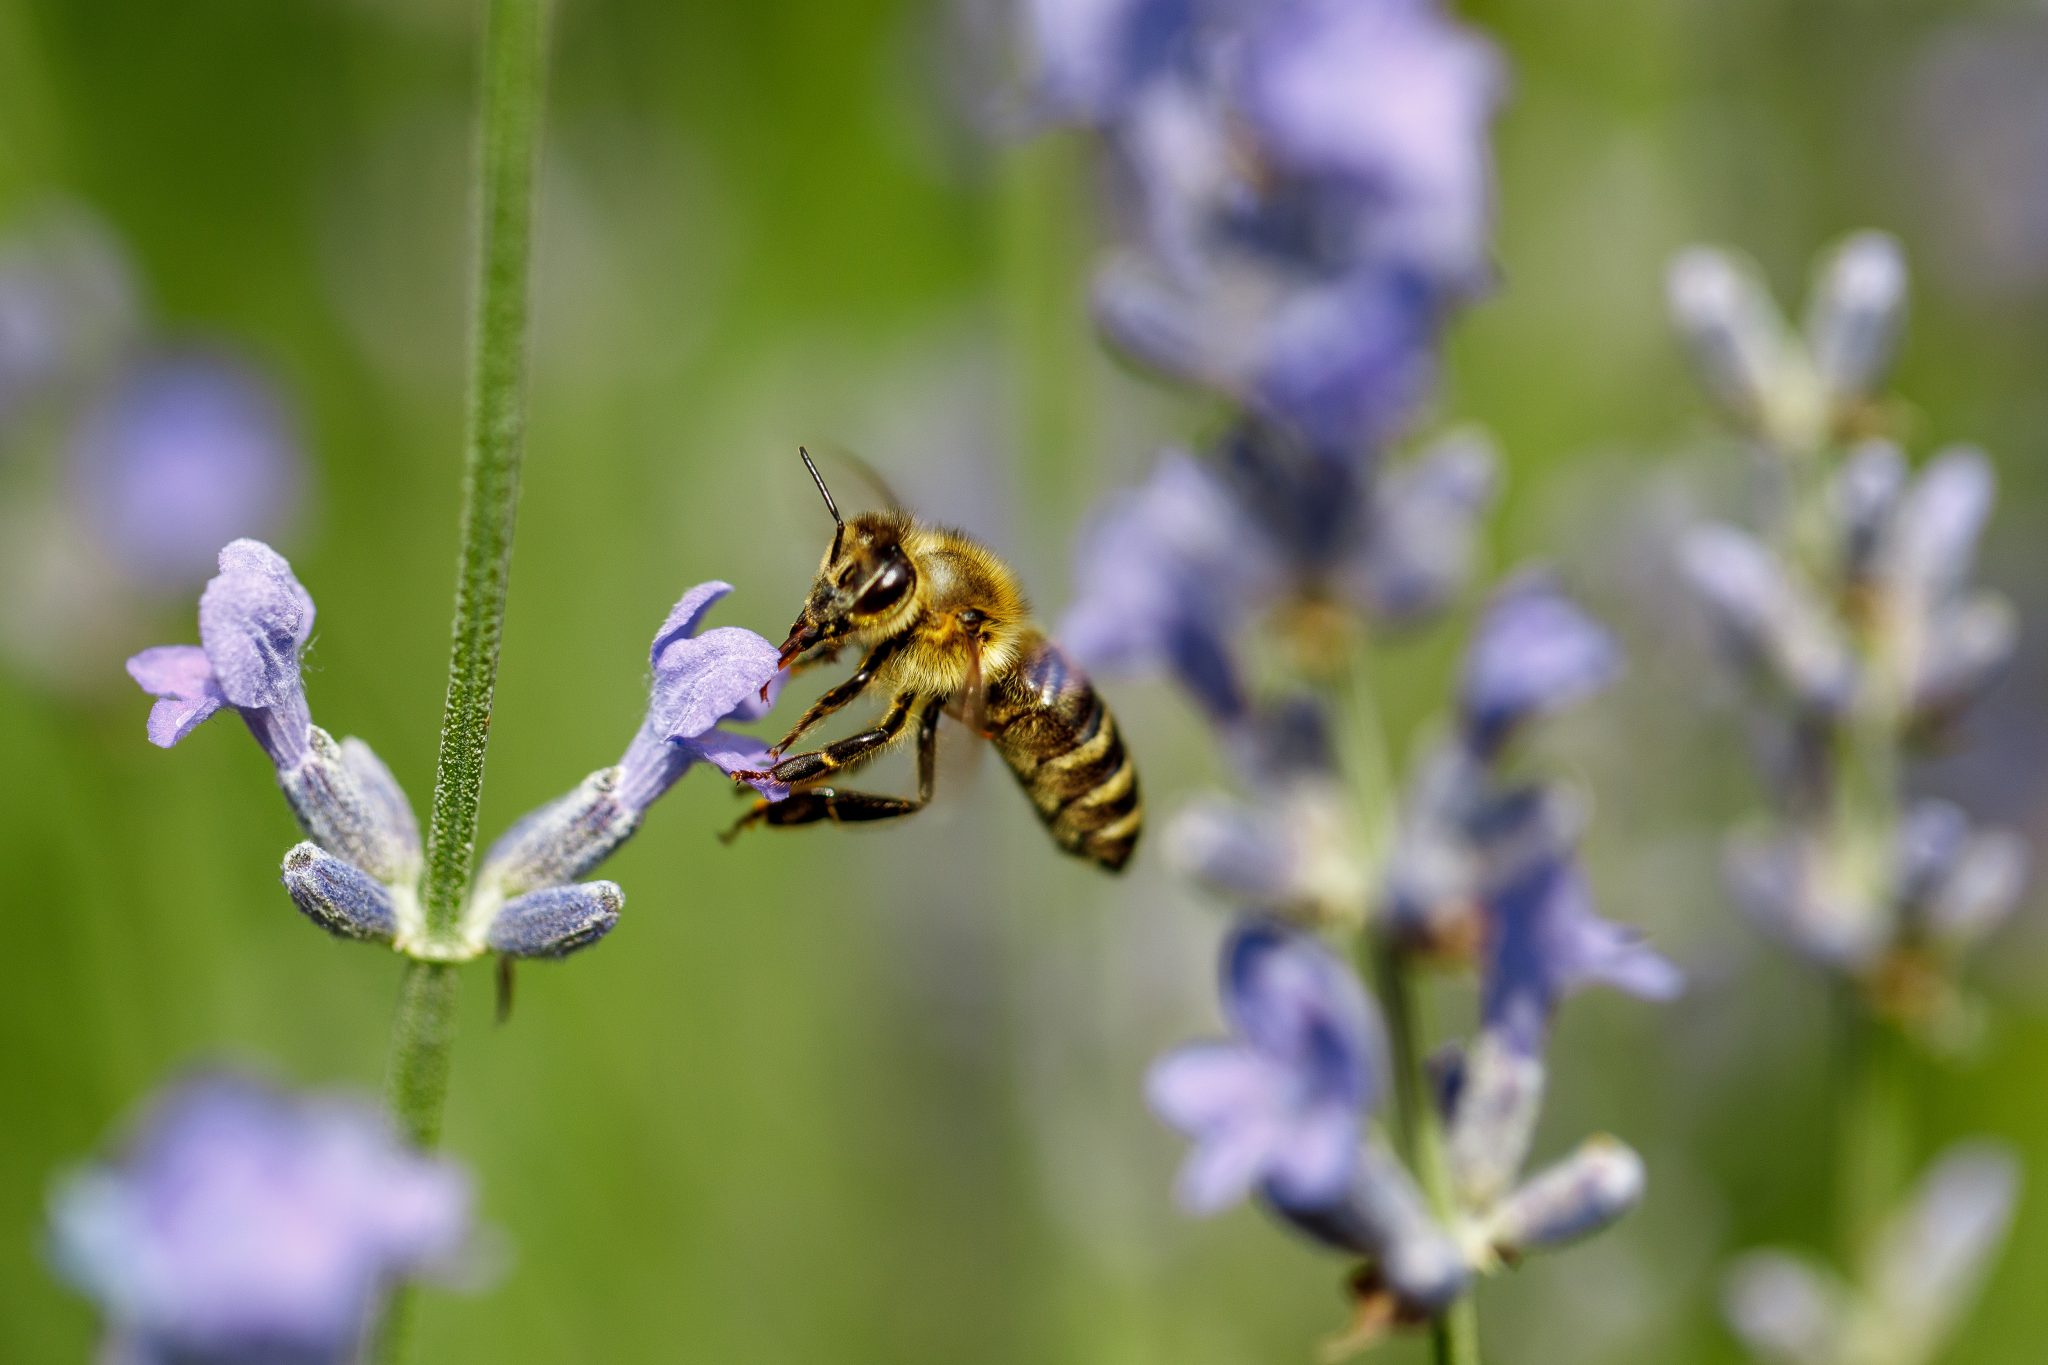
1227, 1164
700, 680
182, 679
254, 619
1394, 99
1295, 1002
1205, 1086
730, 752
1168, 571
685, 617
1316, 1163
1545, 941
1535, 651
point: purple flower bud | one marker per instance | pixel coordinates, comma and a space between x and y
1866, 494
1534, 652
242, 1224
1577, 1197
1725, 317
1780, 882
557, 921
338, 896
1858, 306
1933, 1257
1784, 1309
700, 681
1934, 531
186, 449
1280, 1109
1544, 942
1768, 621
1499, 1098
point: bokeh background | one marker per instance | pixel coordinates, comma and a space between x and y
873, 1095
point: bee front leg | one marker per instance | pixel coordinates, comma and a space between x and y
845, 808
839, 696
839, 755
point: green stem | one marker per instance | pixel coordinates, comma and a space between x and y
423, 1030
497, 422
1040, 248
1874, 1134
1454, 1333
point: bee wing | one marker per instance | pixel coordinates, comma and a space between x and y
969, 706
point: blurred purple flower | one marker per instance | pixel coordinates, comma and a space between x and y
1169, 573
1314, 183
1545, 941
1172, 573
701, 682
254, 622
1534, 652
67, 302
243, 1225
1281, 1109
181, 452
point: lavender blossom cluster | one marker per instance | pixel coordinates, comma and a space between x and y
1308, 185
1849, 611
357, 874
240, 1225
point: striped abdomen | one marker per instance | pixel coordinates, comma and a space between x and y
1051, 727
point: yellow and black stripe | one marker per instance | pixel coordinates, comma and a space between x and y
1049, 724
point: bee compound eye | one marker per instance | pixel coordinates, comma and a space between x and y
886, 589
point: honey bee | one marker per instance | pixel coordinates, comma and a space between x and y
944, 629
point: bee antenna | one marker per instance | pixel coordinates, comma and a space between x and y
824, 492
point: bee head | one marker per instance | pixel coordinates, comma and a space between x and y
864, 581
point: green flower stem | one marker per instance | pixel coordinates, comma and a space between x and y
1875, 1126
1454, 1334
424, 1029
1418, 1135
1041, 246
497, 424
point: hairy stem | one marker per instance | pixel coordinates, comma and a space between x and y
508, 148
497, 421
1454, 1334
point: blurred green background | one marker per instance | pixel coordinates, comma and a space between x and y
846, 1098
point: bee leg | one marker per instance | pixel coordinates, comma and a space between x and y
845, 808
842, 694
837, 756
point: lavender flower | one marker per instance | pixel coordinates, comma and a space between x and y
1175, 572
1280, 1109
701, 682
1856, 607
254, 622
241, 1224
181, 451
358, 876
67, 302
